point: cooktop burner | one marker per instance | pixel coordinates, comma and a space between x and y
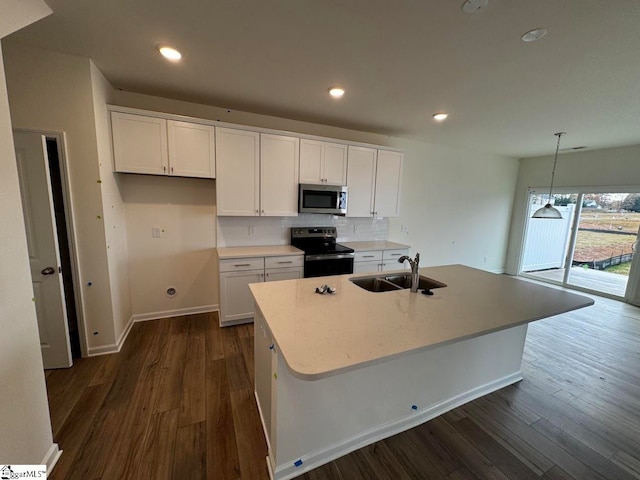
317, 241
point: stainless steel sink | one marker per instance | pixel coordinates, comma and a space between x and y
390, 283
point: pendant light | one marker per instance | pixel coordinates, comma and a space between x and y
548, 211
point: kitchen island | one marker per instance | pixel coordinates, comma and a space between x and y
334, 373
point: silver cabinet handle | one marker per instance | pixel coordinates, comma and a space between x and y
242, 265
396, 254
368, 256
286, 262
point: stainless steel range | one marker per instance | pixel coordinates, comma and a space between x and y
322, 255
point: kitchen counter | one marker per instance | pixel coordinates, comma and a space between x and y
375, 245
322, 335
334, 373
263, 251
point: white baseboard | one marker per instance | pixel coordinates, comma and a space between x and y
319, 458
114, 347
51, 458
143, 317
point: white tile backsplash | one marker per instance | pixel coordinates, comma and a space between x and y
248, 231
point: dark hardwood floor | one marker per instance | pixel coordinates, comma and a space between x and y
177, 402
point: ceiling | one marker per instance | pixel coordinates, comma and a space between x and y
400, 61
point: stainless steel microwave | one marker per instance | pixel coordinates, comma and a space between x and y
331, 199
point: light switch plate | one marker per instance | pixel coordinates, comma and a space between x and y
156, 232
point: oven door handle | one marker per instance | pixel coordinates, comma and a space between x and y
338, 256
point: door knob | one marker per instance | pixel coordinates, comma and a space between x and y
48, 271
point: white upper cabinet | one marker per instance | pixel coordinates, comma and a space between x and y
139, 144
157, 146
238, 172
388, 176
361, 178
323, 162
279, 163
191, 149
373, 178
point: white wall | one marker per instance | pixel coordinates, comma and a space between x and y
183, 257
24, 413
53, 92
455, 205
114, 212
611, 167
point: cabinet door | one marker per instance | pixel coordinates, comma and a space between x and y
367, 267
191, 149
238, 172
388, 176
361, 177
279, 164
335, 164
311, 161
139, 143
275, 274
236, 301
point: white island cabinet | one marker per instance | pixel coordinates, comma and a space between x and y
334, 373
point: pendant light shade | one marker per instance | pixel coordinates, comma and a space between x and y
548, 211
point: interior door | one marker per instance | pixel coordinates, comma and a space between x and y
44, 257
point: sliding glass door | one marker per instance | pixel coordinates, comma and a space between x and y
591, 248
605, 242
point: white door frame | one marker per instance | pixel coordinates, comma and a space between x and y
61, 140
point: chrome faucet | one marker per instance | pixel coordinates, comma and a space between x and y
415, 274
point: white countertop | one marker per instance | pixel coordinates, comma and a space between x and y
264, 251
375, 245
322, 335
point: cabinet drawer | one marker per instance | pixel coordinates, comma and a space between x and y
284, 261
368, 256
239, 264
394, 254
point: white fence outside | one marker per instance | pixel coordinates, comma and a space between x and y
547, 240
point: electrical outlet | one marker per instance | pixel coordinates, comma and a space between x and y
356, 229
252, 230
404, 229
485, 259
156, 232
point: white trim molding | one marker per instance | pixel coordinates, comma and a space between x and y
51, 458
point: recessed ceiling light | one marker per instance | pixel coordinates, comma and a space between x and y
439, 117
474, 6
170, 53
533, 35
336, 92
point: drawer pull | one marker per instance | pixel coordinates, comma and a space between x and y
290, 261
242, 265
368, 256
396, 254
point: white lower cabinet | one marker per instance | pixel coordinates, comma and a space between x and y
236, 301
378, 261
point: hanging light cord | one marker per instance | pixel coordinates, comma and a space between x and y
555, 160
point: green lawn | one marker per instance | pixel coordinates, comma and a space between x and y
620, 269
